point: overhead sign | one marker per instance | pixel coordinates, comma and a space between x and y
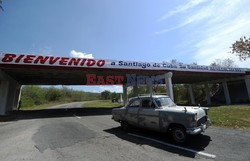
21, 59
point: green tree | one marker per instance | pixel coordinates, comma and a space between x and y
242, 48
115, 95
53, 94
106, 94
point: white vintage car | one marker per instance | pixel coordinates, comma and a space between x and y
160, 113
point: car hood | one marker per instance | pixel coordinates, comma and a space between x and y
188, 109
200, 111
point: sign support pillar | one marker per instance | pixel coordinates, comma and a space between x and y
247, 81
9, 93
207, 94
169, 85
191, 94
135, 89
125, 94
226, 92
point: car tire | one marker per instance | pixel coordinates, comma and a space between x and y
179, 134
125, 126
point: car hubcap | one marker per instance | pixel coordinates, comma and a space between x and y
179, 135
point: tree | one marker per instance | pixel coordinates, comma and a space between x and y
1, 7
106, 94
223, 63
53, 94
242, 48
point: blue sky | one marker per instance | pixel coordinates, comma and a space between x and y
189, 31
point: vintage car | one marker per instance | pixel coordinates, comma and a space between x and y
160, 113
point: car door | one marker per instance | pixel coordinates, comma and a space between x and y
148, 115
132, 111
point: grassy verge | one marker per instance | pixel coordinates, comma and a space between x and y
235, 116
43, 106
101, 104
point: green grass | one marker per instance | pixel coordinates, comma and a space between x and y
101, 104
234, 116
43, 106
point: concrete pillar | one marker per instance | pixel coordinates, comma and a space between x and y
135, 90
169, 85
121, 99
9, 93
207, 94
4, 89
226, 92
125, 94
150, 87
191, 94
17, 96
247, 81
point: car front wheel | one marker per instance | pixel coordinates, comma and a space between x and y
179, 134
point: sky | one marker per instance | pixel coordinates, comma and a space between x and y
143, 30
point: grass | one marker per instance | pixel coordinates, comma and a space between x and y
43, 106
234, 116
101, 104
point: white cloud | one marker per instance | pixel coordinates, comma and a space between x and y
190, 4
74, 53
113, 88
215, 26
45, 51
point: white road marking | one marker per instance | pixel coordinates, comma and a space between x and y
174, 146
77, 116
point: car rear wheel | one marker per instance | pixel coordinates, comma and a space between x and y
124, 125
179, 134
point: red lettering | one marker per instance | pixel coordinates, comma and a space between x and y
90, 62
100, 63
19, 58
110, 80
119, 79
41, 59
52, 60
8, 57
74, 61
29, 58
90, 79
100, 80
83, 62
63, 61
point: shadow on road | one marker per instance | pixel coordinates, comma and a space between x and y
53, 113
197, 143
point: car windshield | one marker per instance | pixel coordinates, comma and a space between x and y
164, 101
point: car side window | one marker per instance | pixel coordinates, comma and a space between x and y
153, 105
146, 103
135, 103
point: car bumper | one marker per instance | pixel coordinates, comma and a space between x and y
117, 119
199, 129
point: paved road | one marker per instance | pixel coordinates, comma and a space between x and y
89, 134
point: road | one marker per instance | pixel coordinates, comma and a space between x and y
69, 133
